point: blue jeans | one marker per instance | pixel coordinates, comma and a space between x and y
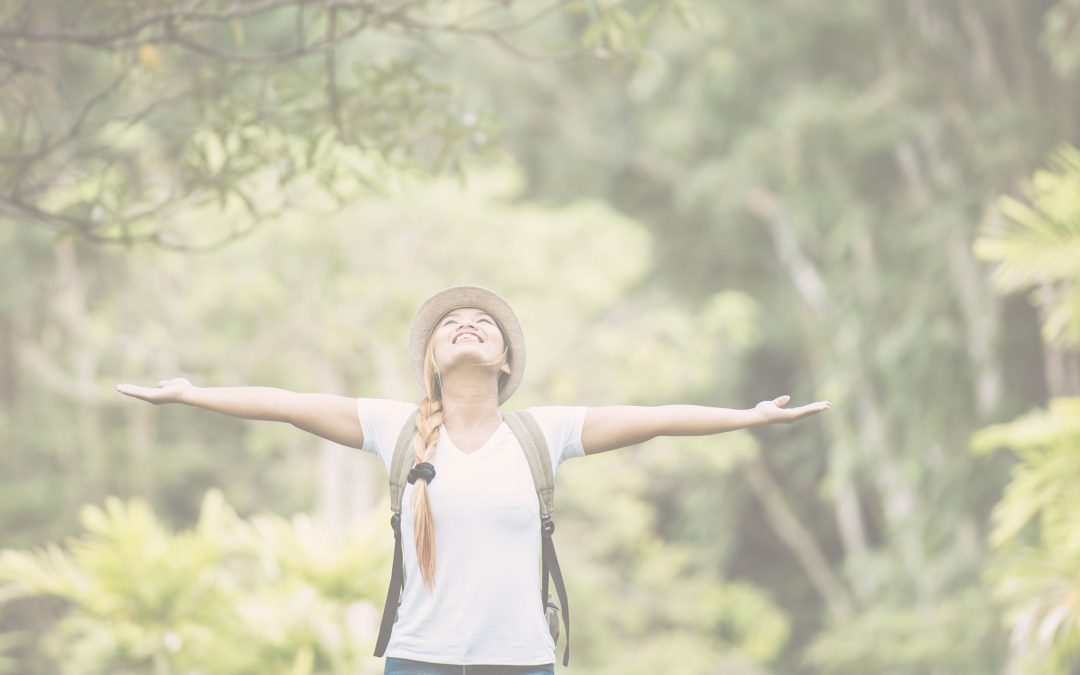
398, 666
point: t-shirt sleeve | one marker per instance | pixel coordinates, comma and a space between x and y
382, 419
561, 425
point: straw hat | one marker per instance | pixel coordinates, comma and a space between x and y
456, 297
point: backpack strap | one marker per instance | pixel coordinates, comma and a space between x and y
399, 475
400, 465
532, 441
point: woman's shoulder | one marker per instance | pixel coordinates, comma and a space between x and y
561, 425
383, 407
555, 410
558, 417
387, 404
382, 420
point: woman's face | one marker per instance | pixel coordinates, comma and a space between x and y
468, 336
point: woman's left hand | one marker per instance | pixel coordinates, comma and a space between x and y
773, 412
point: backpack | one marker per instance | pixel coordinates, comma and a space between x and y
531, 438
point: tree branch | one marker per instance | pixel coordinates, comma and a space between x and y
798, 539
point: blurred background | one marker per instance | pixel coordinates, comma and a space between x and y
874, 203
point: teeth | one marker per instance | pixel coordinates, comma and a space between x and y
471, 338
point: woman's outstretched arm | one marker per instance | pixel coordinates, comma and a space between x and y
610, 427
327, 415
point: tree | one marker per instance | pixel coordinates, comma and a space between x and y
119, 116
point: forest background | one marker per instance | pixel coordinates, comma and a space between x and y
873, 203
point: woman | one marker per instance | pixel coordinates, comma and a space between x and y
470, 601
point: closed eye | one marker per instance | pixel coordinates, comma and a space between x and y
450, 321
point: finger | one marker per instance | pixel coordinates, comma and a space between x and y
134, 390
782, 400
161, 383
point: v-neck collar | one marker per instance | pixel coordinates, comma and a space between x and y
487, 444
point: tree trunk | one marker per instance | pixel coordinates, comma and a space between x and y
70, 306
1061, 363
798, 539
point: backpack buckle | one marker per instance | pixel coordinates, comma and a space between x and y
395, 521
547, 527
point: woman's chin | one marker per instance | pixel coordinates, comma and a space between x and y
466, 360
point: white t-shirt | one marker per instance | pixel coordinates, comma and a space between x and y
485, 608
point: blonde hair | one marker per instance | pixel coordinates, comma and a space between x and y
424, 442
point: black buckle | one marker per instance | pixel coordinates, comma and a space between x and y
547, 527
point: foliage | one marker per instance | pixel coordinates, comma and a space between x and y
1036, 570
759, 198
1059, 36
9, 664
955, 637
141, 597
121, 116
1040, 245
638, 569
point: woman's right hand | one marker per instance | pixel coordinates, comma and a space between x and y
166, 391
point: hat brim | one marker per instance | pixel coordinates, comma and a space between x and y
457, 297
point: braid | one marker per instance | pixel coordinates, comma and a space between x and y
428, 421
427, 436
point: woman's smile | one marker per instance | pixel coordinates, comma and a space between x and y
467, 336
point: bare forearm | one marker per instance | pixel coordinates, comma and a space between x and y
255, 403
701, 420
617, 426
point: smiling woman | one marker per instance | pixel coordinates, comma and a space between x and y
469, 521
